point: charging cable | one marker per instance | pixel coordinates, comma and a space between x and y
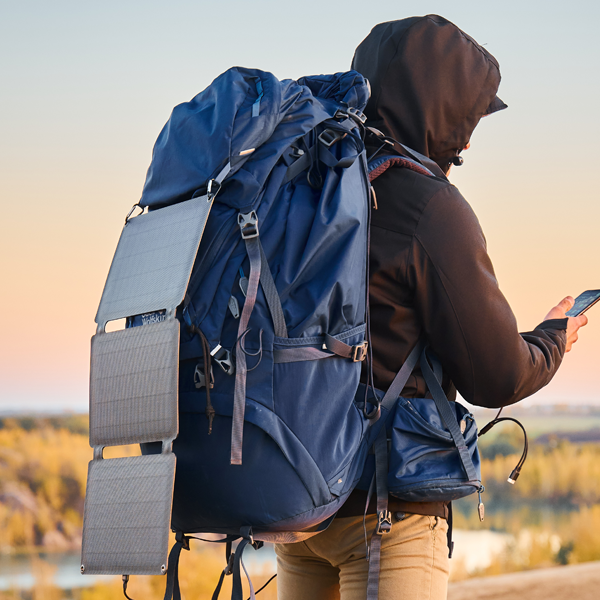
514, 475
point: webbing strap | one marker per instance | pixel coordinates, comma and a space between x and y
289, 355
299, 165
450, 527
322, 152
424, 160
199, 273
384, 522
217, 591
239, 397
396, 387
223, 173
448, 417
345, 350
172, 591
272, 296
237, 590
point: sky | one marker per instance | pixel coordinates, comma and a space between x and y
87, 86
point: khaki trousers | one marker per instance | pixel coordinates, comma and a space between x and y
332, 564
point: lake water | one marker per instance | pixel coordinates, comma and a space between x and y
19, 571
474, 549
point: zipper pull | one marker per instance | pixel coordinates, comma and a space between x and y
243, 282
463, 422
480, 506
234, 307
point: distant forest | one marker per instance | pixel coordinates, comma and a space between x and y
43, 470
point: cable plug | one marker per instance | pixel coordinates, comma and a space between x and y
512, 478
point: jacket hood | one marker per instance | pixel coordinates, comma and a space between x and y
430, 84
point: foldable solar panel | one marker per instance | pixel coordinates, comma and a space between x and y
134, 392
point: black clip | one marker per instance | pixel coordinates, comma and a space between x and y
222, 357
183, 539
384, 522
212, 189
328, 137
248, 223
374, 414
359, 352
229, 568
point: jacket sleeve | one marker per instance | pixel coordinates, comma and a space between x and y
468, 321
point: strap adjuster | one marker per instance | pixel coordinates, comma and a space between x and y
212, 189
248, 223
183, 539
359, 352
328, 137
229, 568
200, 377
356, 115
384, 522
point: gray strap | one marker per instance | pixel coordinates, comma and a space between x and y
239, 397
437, 368
384, 518
272, 296
289, 355
357, 353
223, 173
448, 417
395, 389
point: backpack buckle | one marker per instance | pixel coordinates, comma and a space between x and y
384, 522
328, 137
359, 352
356, 115
222, 357
200, 378
248, 223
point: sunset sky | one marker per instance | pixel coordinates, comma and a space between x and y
86, 86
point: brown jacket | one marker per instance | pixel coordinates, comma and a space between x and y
431, 275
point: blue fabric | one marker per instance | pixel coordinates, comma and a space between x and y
424, 463
304, 438
202, 135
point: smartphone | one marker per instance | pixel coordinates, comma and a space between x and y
583, 302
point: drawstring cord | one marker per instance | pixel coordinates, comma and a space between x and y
259, 353
210, 411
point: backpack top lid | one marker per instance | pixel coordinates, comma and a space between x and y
238, 112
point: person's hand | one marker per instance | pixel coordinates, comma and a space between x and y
574, 323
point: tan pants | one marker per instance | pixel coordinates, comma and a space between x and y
332, 565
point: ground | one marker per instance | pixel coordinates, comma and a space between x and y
580, 582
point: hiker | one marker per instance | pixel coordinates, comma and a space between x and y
430, 276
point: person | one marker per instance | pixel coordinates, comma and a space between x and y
430, 275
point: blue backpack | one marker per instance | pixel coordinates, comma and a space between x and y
271, 442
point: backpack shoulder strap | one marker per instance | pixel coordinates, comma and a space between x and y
382, 163
404, 156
